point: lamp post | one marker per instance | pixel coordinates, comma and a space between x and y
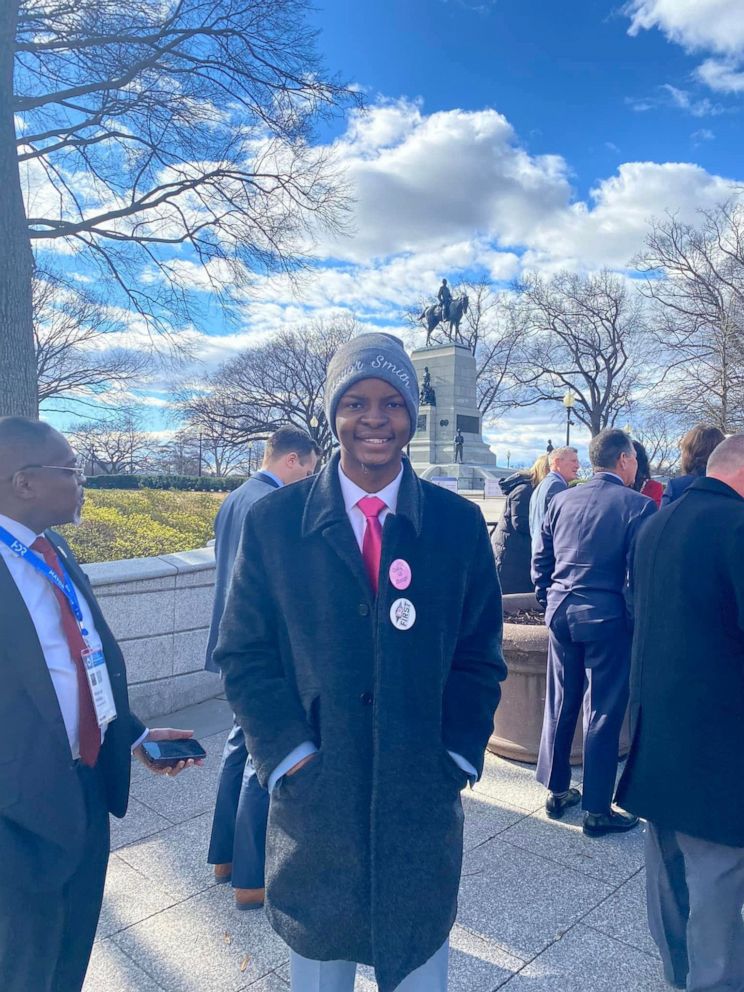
201, 445
568, 402
314, 427
508, 459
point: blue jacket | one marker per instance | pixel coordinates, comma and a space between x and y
228, 528
675, 488
551, 485
585, 550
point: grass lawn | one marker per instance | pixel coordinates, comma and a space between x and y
139, 523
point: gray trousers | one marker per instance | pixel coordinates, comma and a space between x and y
695, 895
338, 976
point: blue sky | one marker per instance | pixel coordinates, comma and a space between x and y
503, 136
568, 76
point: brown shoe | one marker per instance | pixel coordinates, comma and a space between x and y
249, 898
222, 874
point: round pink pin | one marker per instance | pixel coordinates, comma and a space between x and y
400, 574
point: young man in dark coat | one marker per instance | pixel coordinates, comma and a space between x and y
361, 649
686, 765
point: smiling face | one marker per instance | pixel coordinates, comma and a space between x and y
373, 428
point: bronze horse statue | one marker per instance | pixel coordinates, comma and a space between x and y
433, 317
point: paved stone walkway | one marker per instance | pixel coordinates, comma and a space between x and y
542, 908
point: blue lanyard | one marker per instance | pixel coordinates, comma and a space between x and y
64, 585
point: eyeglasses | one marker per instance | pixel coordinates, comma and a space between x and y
75, 469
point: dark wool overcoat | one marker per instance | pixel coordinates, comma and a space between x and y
686, 764
512, 547
364, 843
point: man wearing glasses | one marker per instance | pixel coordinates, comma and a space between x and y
66, 731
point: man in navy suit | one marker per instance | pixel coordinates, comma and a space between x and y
580, 568
238, 843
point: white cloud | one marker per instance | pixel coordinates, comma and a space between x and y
716, 25
425, 181
722, 75
610, 228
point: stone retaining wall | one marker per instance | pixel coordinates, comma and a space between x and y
159, 610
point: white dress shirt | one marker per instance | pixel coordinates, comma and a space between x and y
352, 493
38, 594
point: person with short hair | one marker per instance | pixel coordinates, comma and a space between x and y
581, 573
361, 650
685, 769
237, 845
564, 468
66, 736
695, 448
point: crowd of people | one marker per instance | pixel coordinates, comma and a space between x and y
357, 627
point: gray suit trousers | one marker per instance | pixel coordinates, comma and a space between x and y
695, 895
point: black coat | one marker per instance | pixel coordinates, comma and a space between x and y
511, 539
364, 844
42, 808
686, 765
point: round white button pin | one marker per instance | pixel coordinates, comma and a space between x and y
402, 614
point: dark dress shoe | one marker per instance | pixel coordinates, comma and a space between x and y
612, 822
556, 806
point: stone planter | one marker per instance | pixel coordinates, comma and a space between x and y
518, 721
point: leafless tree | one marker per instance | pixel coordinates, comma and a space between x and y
660, 432
276, 383
207, 451
696, 287
586, 334
141, 129
112, 445
495, 333
73, 363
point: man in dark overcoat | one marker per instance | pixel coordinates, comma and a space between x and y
580, 569
237, 844
686, 764
361, 649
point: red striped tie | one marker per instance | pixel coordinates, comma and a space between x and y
90, 732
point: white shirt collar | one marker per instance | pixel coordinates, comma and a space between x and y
352, 493
19, 531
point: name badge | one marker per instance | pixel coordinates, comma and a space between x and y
400, 574
100, 685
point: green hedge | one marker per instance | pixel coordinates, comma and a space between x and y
184, 483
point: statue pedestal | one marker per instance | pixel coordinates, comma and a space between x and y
432, 449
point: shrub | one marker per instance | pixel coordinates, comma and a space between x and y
141, 523
186, 483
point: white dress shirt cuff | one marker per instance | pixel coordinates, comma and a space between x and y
301, 751
140, 739
465, 765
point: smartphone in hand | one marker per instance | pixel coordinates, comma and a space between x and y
167, 754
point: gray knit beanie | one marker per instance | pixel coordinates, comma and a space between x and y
371, 356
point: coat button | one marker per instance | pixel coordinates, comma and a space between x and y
367, 698
363, 610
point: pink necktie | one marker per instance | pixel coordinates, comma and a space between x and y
372, 507
89, 733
